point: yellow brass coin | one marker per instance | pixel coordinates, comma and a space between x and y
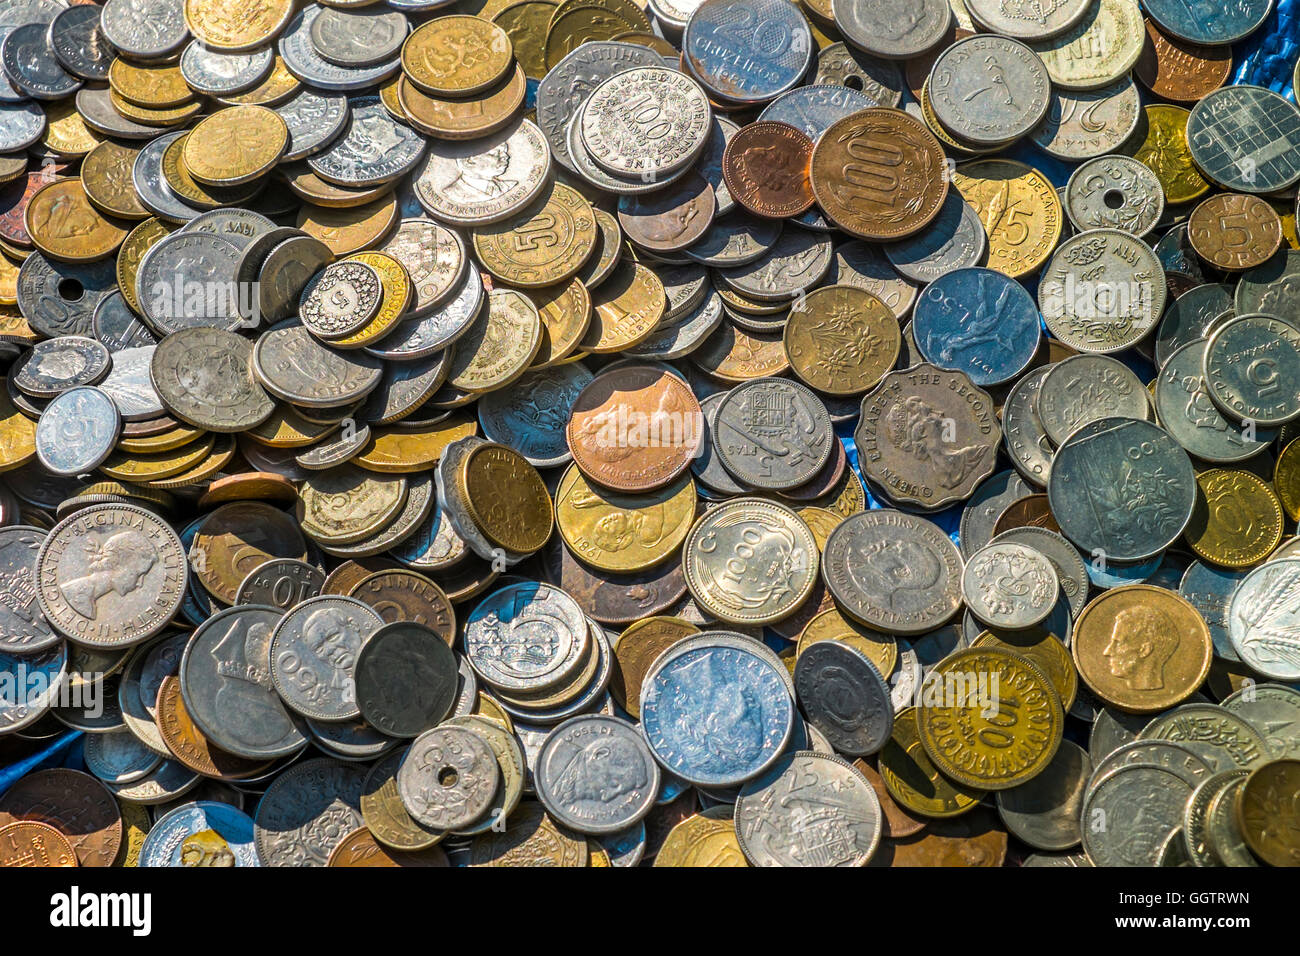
64, 225
841, 339
136, 824
1161, 144
506, 498
544, 244
1098, 50
223, 450
392, 102
1043, 648
287, 429
525, 23
456, 55
609, 250
396, 284
1236, 521
623, 533
1266, 810
66, 133
410, 450
565, 311
352, 229
17, 436
156, 85
235, 145
531, 838
734, 355
106, 177
636, 649
625, 309
1019, 209
14, 327
169, 440
847, 498
989, 718
651, 40
137, 242
596, 855
278, 87
880, 649
346, 504
1286, 479
821, 522
237, 24
488, 709
447, 117
150, 116
306, 185
8, 283
179, 181
912, 779
577, 21
951, 142
706, 839
1141, 648
146, 468
499, 346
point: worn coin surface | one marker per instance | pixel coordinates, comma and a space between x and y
596, 774
448, 778
844, 696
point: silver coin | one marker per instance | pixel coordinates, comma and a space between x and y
796, 262
373, 149
896, 32
96, 109
182, 837
358, 38
283, 583
1262, 620
990, 499
283, 274
148, 29
1142, 805
315, 120
1209, 590
879, 80
30, 65
1009, 585
56, 365
43, 675
130, 387
683, 337
293, 366
1028, 23
1071, 573
1185, 410
862, 264
8, 92
21, 125
1082, 124
1219, 737
352, 740
596, 775
340, 299
433, 546
435, 259
23, 628
221, 73
1114, 192
1272, 287
954, 240
814, 109
330, 454
306, 810
448, 778
647, 121
1252, 369
79, 43
237, 225
313, 650
1244, 137
169, 782
418, 338
302, 60
1273, 710
526, 637
119, 757
152, 189
1046, 811
736, 239
530, 416
590, 171
1175, 758
1193, 315
989, 89
709, 165
115, 325
1102, 291
17, 12
775, 814
188, 280
484, 180
706, 466
773, 434
844, 697
1084, 388
454, 506
77, 431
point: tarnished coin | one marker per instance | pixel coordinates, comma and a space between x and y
841, 339
765, 167
1239, 137
750, 59
75, 804
1099, 49
1257, 237
23, 628
772, 434
77, 431
1083, 124
313, 654
595, 774
456, 55
1251, 364
1085, 388
1114, 192
176, 268
291, 364
955, 317
970, 108
955, 240
306, 810
1009, 585
917, 27
1045, 812
448, 778
204, 377
58, 364
1143, 805
844, 696
1264, 798
341, 299
238, 537
531, 838
405, 679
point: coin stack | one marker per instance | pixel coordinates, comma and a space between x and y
733, 432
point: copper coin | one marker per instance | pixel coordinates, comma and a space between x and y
360, 848
669, 219
400, 595
248, 485
766, 167
616, 599
634, 428
973, 839
1234, 232
1178, 70
858, 174
189, 745
825, 480
898, 822
14, 199
75, 804
352, 572
28, 843
238, 538
1031, 511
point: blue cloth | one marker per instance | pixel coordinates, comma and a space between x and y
1268, 56
52, 756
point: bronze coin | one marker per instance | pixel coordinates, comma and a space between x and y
237, 538
1235, 232
352, 572
898, 821
360, 848
970, 840
825, 480
766, 167
1031, 511
188, 744
75, 804
1178, 70
29, 843
615, 599
14, 199
399, 595
669, 219
246, 486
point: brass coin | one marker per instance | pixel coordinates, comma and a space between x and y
137, 242
456, 55
309, 187
451, 118
525, 23
17, 436
236, 539
565, 311
66, 133
841, 339
397, 291
735, 355
143, 468
1235, 232
912, 779
706, 839
623, 532
155, 85
155, 116
636, 650
237, 24
407, 450
830, 625
279, 86
1267, 815
544, 244
499, 346
347, 504
106, 178
345, 231
1019, 209
506, 498
179, 181
626, 309
1236, 521
65, 225
1286, 478
1161, 143
1043, 648
235, 145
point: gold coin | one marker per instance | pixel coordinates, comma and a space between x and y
179, 181
565, 311
466, 118
1141, 648
1236, 521
847, 498
636, 649
396, 285
706, 839
1043, 648
912, 779
821, 522
544, 244
136, 824
391, 101
349, 230
137, 242
223, 451
531, 838
500, 344
841, 339
278, 87
8, 283
66, 133
735, 355
831, 625
1161, 144
235, 145
575, 23
1098, 50
1019, 209
17, 436
155, 85
168, 440
150, 116
409, 450
989, 718
488, 709
237, 24
65, 225
306, 185
596, 855
1286, 478
106, 177
1268, 812
625, 309
14, 327
347, 504
609, 250
525, 23
456, 55
285, 428
651, 40
506, 498
621, 532
146, 468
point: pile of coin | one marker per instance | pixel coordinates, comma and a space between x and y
733, 432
